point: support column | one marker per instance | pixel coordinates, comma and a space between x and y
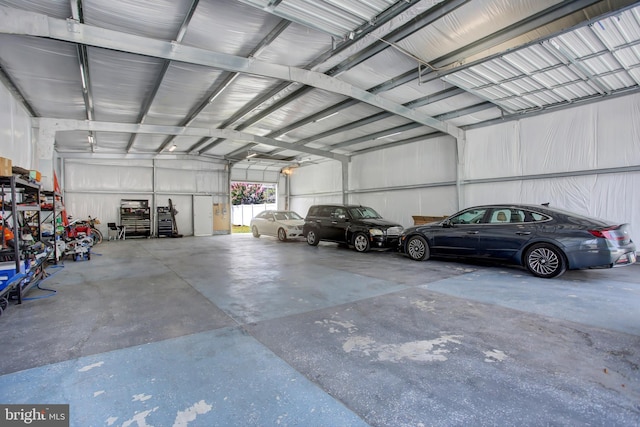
345, 180
461, 145
43, 155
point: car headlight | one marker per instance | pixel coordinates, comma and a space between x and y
376, 232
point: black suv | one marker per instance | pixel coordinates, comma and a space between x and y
355, 225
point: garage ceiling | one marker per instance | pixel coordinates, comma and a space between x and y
271, 83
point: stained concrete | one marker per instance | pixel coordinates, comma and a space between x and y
237, 331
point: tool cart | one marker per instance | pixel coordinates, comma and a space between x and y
135, 217
165, 222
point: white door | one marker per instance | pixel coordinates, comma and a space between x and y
202, 215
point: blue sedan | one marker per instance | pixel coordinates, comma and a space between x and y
545, 240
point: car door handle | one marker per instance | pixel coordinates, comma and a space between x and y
472, 232
334, 222
523, 233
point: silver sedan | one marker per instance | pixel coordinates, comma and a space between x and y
281, 224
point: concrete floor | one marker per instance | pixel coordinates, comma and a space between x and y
236, 331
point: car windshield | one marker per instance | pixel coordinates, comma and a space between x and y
283, 216
363, 212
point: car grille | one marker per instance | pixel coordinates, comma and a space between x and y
394, 231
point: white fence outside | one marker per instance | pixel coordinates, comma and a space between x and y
242, 214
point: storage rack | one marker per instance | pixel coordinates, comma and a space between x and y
135, 217
164, 221
24, 214
52, 214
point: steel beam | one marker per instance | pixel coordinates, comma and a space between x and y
94, 126
13, 21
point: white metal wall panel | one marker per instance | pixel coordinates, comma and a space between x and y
584, 138
95, 188
609, 197
325, 177
599, 135
602, 135
316, 184
492, 152
563, 141
212, 182
175, 181
105, 176
255, 175
401, 206
15, 127
430, 161
105, 207
618, 132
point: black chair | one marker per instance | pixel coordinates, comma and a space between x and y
115, 231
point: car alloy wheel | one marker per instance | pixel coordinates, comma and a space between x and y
254, 230
282, 235
361, 242
546, 261
312, 239
417, 248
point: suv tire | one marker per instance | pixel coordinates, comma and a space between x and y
312, 238
361, 242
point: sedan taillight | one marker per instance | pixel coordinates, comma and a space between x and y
617, 233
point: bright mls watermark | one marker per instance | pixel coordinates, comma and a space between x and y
34, 415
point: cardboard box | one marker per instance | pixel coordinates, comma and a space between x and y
422, 219
5, 167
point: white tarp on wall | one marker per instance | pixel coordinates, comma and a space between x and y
96, 187
315, 184
15, 128
585, 159
408, 173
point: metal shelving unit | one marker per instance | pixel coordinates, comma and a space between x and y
23, 199
51, 215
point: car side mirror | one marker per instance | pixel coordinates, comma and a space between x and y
447, 223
